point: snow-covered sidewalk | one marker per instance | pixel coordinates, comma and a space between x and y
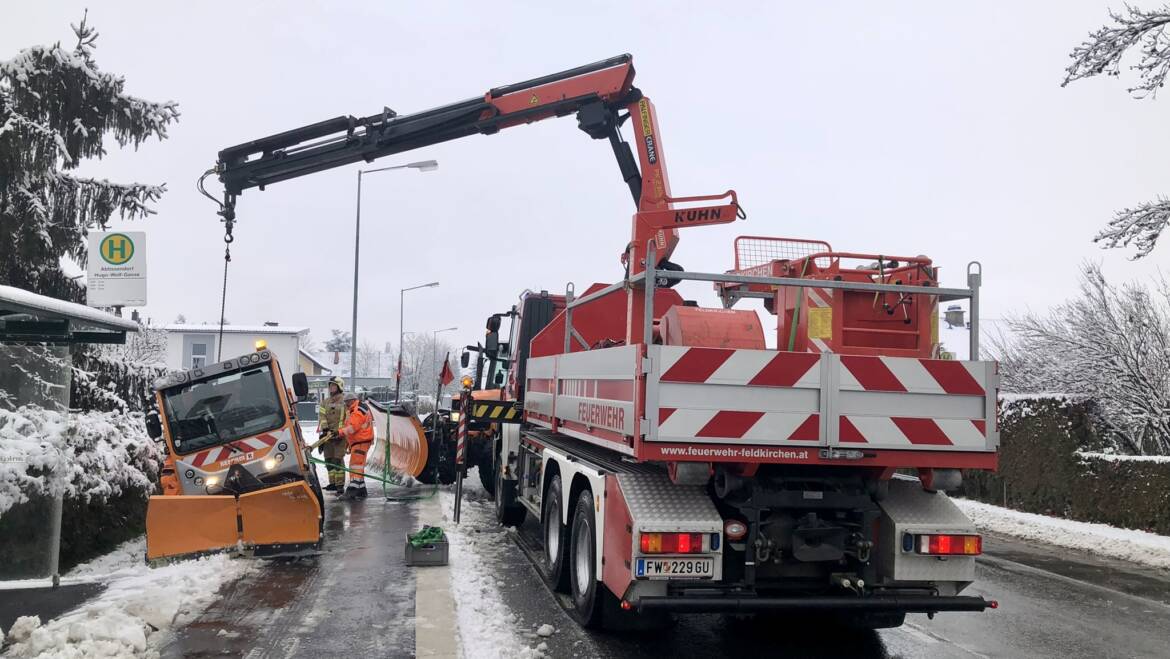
1101, 539
139, 605
487, 628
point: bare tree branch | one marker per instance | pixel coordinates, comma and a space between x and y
1102, 52
1138, 226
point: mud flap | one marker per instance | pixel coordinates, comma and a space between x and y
181, 525
288, 514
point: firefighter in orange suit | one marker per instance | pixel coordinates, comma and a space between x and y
358, 432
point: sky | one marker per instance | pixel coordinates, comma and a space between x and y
896, 128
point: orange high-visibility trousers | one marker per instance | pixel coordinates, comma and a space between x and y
357, 461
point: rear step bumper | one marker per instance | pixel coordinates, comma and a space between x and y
905, 604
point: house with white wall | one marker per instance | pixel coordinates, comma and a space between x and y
192, 346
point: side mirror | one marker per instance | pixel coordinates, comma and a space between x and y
465, 359
300, 385
493, 323
491, 343
153, 425
499, 378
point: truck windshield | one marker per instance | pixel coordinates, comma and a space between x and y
223, 409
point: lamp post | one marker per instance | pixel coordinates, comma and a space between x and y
422, 166
401, 314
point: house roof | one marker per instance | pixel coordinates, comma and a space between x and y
311, 357
237, 329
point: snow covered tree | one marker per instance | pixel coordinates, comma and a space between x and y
1101, 53
56, 110
1111, 344
339, 342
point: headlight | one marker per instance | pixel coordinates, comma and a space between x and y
190, 473
198, 481
455, 417
282, 446
212, 481
270, 464
280, 457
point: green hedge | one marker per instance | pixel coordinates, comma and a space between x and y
1040, 470
88, 530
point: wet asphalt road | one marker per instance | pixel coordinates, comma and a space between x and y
362, 606
1053, 603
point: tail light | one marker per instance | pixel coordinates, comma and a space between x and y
672, 543
949, 544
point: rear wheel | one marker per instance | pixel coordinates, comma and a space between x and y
508, 512
553, 533
487, 469
592, 601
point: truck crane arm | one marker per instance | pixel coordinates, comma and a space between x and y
601, 95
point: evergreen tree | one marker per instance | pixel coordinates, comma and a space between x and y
56, 110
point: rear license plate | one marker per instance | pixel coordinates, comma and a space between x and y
674, 568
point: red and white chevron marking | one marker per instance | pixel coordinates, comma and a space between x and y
220, 453
756, 368
907, 374
756, 427
908, 432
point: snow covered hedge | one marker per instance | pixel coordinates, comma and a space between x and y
103, 463
1052, 462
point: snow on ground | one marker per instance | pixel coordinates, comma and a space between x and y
1101, 539
139, 606
487, 629
1115, 457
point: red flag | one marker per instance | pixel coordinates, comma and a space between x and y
446, 376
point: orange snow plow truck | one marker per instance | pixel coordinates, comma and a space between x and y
237, 476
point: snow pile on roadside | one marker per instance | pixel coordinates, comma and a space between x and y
1125, 544
98, 455
126, 620
126, 557
1117, 457
487, 629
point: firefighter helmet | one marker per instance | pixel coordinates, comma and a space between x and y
339, 382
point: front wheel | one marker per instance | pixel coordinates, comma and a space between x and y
508, 512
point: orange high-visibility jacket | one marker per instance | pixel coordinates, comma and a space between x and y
358, 427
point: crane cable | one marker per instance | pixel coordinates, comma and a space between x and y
227, 212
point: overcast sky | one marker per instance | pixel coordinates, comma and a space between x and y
921, 128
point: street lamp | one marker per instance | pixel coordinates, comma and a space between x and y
401, 314
422, 166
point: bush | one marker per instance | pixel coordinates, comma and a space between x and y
1044, 469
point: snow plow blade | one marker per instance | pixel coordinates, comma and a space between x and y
408, 441
276, 521
281, 519
178, 525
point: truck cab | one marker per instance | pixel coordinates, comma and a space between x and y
237, 473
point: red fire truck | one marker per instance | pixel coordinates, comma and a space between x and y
675, 462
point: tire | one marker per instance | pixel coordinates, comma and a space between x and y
553, 533
488, 466
508, 512
592, 601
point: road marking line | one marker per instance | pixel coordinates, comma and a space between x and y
435, 625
